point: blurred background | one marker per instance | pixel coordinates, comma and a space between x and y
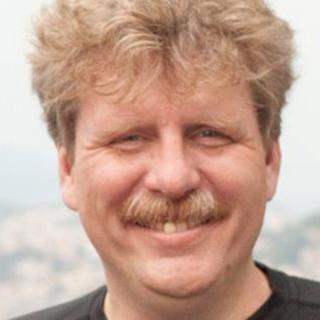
45, 257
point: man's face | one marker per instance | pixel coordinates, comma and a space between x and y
169, 149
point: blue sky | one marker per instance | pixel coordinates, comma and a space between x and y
28, 173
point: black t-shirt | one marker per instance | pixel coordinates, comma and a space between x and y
292, 299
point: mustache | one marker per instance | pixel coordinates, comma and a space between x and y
148, 209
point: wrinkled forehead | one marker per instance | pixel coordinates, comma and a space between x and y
158, 101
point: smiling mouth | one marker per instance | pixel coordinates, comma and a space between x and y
151, 212
170, 227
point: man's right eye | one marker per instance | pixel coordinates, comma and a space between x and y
132, 137
128, 142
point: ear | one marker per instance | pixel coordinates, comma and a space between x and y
66, 179
273, 162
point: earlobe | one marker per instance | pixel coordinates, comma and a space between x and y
66, 179
273, 162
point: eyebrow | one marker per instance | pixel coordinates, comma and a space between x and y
136, 121
121, 127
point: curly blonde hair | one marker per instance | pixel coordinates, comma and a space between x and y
120, 47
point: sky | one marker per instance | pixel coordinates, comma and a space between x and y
28, 165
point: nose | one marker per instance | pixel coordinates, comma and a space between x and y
173, 172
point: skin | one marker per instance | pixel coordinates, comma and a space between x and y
170, 147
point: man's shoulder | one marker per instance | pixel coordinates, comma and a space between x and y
305, 291
304, 300
78, 309
301, 295
298, 289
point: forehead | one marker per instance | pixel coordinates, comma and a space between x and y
228, 102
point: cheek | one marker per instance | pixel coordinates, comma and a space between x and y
101, 188
238, 181
240, 185
107, 182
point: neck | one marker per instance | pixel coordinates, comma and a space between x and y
236, 299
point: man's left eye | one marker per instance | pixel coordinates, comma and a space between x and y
132, 137
211, 138
209, 133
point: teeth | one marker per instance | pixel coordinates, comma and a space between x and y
169, 227
182, 226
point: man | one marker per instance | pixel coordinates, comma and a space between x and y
166, 118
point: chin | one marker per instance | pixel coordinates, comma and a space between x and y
179, 288
180, 280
